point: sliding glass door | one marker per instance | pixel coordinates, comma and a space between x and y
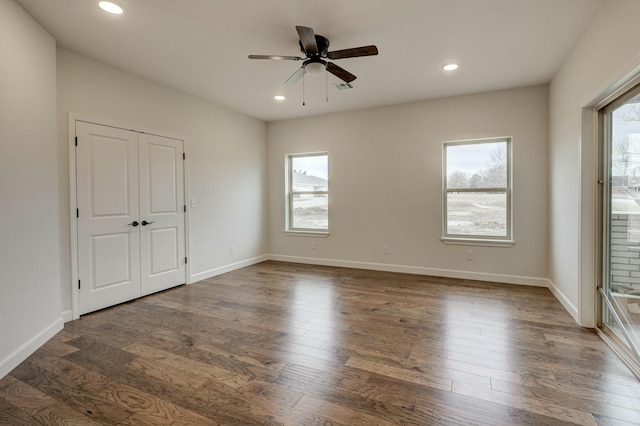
619, 293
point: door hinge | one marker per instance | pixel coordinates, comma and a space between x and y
185, 207
185, 260
76, 141
184, 156
78, 284
77, 212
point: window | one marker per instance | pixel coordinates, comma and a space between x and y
308, 192
477, 190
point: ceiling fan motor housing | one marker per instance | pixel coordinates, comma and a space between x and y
323, 47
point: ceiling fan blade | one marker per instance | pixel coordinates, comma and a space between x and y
308, 39
296, 76
353, 52
276, 57
341, 73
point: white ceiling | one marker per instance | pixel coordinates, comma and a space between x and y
200, 46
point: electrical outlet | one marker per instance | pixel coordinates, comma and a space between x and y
469, 255
232, 249
385, 249
313, 245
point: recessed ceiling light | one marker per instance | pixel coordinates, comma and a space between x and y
279, 98
450, 67
111, 7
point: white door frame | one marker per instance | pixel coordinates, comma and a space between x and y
73, 220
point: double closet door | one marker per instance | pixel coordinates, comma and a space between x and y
130, 199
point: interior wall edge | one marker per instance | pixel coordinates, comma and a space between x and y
565, 301
30, 261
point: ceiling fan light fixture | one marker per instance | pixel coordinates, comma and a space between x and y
111, 7
315, 67
279, 98
450, 67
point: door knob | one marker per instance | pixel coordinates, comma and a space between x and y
134, 223
145, 223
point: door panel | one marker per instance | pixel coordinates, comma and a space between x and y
161, 204
107, 199
162, 179
620, 290
110, 175
164, 250
110, 259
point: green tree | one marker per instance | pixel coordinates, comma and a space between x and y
495, 175
475, 181
457, 179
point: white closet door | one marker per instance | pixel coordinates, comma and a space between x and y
108, 203
161, 213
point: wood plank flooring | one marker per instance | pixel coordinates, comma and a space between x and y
280, 343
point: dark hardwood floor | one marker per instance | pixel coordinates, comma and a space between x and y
279, 343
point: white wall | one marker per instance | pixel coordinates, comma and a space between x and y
385, 168
605, 57
29, 192
226, 159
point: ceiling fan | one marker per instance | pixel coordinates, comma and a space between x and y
316, 49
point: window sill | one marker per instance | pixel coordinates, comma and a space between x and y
317, 234
477, 242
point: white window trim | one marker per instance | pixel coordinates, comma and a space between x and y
316, 234
301, 232
479, 240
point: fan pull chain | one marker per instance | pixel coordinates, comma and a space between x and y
326, 84
303, 103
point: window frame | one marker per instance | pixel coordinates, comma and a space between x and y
476, 239
290, 196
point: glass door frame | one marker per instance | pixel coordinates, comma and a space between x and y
619, 341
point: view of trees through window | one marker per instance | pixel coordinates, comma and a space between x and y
624, 193
477, 189
309, 192
626, 146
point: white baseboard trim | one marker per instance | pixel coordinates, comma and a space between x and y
227, 268
23, 352
67, 316
564, 300
418, 270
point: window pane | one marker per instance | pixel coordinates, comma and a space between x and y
310, 211
477, 213
477, 165
310, 173
625, 147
